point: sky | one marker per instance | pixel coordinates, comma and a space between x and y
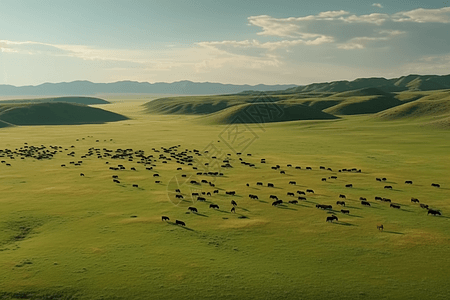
228, 41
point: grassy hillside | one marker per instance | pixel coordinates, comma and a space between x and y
263, 113
417, 109
78, 100
55, 114
66, 236
363, 105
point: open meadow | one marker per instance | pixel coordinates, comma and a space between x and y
66, 236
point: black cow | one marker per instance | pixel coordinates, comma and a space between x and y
192, 209
63, 165
384, 179
365, 203
233, 210
301, 198
298, 168
395, 206
81, 174
273, 197
164, 218
270, 185
177, 191
233, 203
308, 168
215, 206
310, 191
293, 202
342, 196
345, 211
292, 182
378, 179
275, 203
178, 222
230, 193
215, 191
349, 185
380, 227
408, 182
362, 198
194, 182
331, 218
282, 172
340, 203
322, 168
157, 181
115, 176
323, 206
301, 193
388, 187
201, 199
135, 185
423, 205
259, 183
274, 168
386, 200
155, 175
378, 198
290, 194
333, 177
415, 200
179, 196
133, 169
433, 212
208, 194
116, 181
194, 194
324, 179
435, 185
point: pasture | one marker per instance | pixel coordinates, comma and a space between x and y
66, 236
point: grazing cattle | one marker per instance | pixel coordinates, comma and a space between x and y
378, 179
215, 191
192, 209
365, 203
282, 172
435, 185
349, 185
212, 184
133, 169
388, 187
247, 184
179, 196
214, 206
233, 210
259, 183
164, 218
292, 182
178, 222
395, 206
135, 185
177, 191
423, 205
415, 200
273, 197
253, 196
342, 196
183, 175
201, 199
329, 169
63, 165
81, 174
204, 181
194, 182
275, 203
345, 211
362, 198
289, 165
116, 181
115, 176
333, 177
298, 168
290, 194
433, 212
230, 193
194, 194
324, 179
274, 168
322, 168
155, 175
233, 203
378, 198
293, 202
323, 206
331, 218
301, 193
380, 227
270, 185
308, 168
408, 182
208, 194
340, 203
386, 200
179, 169
157, 181
301, 198
310, 191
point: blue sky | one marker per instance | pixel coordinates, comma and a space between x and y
240, 42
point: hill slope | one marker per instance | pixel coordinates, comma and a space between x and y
417, 109
364, 105
263, 113
79, 100
55, 114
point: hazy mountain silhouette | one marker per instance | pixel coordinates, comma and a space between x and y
121, 87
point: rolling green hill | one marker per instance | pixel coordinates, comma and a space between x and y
55, 114
417, 109
263, 113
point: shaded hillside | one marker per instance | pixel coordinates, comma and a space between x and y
363, 105
78, 100
252, 112
55, 114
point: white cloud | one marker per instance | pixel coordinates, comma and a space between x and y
377, 5
421, 15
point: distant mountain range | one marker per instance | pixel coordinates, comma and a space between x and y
79, 88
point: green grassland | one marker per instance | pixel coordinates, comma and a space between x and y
64, 236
